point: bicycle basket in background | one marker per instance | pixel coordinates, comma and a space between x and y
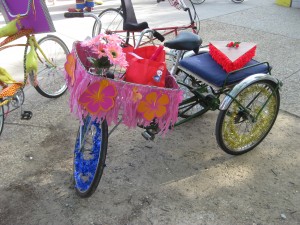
34, 14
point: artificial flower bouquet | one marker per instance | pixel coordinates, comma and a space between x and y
105, 52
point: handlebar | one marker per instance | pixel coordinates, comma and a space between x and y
153, 32
29, 5
158, 36
73, 14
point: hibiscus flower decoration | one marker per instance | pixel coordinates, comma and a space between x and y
99, 96
70, 67
153, 106
136, 95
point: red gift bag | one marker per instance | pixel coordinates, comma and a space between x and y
146, 66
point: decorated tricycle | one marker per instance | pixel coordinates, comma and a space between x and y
222, 76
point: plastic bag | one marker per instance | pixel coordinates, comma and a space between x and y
146, 66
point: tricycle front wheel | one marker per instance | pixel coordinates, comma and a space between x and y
249, 118
89, 156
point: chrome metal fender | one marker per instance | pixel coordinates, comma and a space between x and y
191, 53
245, 83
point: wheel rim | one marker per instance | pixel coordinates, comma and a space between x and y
238, 131
50, 79
18, 99
111, 21
86, 160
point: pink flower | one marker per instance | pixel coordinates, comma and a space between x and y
114, 38
99, 96
113, 52
99, 49
89, 42
122, 61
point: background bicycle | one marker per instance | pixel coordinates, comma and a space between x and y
43, 60
123, 21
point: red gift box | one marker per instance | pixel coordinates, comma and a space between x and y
232, 57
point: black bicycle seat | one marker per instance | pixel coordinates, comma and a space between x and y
135, 26
185, 41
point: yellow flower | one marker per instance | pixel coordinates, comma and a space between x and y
153, 106
136, 95
70, 67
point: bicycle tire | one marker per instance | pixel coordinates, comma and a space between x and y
89, 160
51, 81
1, 118
237, 1
111, 20
190, 104
197, 2
235, 133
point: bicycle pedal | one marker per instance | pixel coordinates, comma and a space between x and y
26, 115
148, 136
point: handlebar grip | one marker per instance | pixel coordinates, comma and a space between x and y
158, 36
73, 14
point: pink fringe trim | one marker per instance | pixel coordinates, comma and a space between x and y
124, 106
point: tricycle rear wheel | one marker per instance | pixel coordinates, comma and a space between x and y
239, 131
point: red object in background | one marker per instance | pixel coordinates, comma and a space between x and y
231, 58
146, 66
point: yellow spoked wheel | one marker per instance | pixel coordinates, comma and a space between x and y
248, 119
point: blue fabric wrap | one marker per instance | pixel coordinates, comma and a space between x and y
87, 167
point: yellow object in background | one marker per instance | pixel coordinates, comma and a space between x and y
98, 2
286, 3
5, 77
9, 29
